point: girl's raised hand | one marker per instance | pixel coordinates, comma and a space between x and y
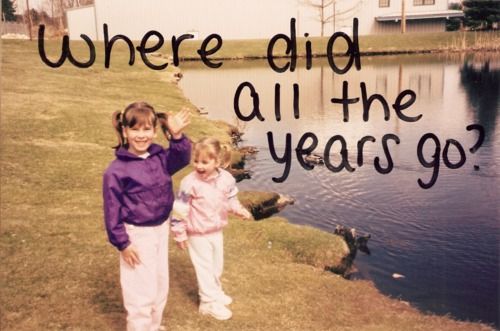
178, 122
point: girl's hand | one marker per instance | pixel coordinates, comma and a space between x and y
178, 122
245, 214
131, 256
182, 244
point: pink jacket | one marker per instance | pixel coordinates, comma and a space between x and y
202, 206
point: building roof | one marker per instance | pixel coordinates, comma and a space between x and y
421, 15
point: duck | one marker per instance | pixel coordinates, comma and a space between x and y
313, 158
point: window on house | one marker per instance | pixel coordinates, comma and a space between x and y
423, 2
384, 3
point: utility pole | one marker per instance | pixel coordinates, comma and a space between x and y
322, 13
334, 3
61, 19
30, 23
403, 17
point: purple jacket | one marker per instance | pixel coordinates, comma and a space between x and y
139, 191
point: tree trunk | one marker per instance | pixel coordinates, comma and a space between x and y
61, 18
30, 23
403, 17
322, 18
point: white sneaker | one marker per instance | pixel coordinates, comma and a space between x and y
225, 299
216, 310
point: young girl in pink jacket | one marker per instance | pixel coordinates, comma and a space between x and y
205, 198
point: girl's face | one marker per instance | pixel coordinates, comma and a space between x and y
205, 166
139, 138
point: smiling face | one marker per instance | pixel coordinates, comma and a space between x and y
139, 137
139, 127
205, 165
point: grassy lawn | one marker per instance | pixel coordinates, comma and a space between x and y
60, 273
373, 44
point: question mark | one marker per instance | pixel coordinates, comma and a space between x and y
479, 141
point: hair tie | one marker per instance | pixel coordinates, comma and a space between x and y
162, 118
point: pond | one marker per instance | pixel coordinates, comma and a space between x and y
444, 240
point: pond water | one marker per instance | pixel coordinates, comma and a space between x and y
445, 239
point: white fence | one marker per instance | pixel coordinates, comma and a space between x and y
13, 28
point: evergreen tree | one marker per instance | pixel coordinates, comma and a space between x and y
453, 24
481, 14
8, 11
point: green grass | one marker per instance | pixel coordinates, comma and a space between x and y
372, 44
60, 273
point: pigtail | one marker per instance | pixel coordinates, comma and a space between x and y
162, 118
225, 156
116, 120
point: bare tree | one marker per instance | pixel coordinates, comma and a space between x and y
61, 14
29, 21
53, 7
321, 6
57, 8
347, 10
72, 3
78, 3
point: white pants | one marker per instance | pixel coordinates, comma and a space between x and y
145, 287
207, 256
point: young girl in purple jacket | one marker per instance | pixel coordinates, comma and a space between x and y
138, 198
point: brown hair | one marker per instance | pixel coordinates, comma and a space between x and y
212, 148
137, 113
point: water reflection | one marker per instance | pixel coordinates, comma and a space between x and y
317, 87
481, 82
441, 239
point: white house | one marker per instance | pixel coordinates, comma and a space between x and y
255, 19
421, 16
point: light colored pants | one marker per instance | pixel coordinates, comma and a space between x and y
145, 287
207, 256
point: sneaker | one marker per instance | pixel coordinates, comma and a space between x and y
225, 299
216, 310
